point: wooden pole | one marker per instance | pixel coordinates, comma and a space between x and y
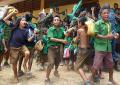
42, 4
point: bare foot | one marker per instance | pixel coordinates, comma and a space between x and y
14, 81
112, 82
0, 68
101, 76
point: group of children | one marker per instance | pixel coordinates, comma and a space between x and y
79, 45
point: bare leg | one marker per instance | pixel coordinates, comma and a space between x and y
1, 58
30, 61
67, 64
48, 72
82, 74
14, 67
27, 55
6, 56
110, 74
20, 72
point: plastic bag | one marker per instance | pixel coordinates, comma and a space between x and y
39, 45
66, 53
90, 24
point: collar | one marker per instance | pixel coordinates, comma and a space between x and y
103, 22
56, 28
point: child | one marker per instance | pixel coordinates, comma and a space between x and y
29, 45
42, 55
55, 39
18, 39
68, 47
3, 48
102, 45
84, 50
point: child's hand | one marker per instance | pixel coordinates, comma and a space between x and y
64, 42
79, 31
5, 49
51, 11
35, 31
109, 36
116, 36
15, 11
93, 8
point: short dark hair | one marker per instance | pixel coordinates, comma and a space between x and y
56, 16
28, 16
106, 5
103, 8
115, 3
82, 20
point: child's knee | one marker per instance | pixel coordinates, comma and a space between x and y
27, 53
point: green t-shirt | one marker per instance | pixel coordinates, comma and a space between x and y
7, 33
32, 25
55, 33
45, 41
1, 34
102, 28
2, 26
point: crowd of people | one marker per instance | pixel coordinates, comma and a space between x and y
88, 39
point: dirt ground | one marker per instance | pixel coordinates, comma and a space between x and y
66, 77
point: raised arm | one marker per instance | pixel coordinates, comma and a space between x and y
6, 19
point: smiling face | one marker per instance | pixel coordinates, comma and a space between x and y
105, 14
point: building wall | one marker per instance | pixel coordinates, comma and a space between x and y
111, 2
69, 7
61, 8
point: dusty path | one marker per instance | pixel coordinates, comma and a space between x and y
66, 77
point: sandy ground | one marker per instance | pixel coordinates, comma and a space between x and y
66, 77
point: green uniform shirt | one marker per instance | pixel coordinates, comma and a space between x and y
55, 33
102, 28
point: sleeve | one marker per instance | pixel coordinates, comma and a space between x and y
63, 29
96, 28
27, 34
44, 40
50, 33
